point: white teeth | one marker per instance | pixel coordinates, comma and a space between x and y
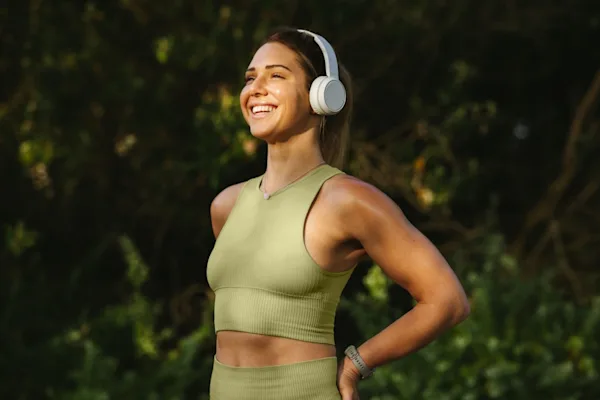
257, 109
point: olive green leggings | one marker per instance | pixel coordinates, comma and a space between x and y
307, 380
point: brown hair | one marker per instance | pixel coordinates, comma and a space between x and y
335, 129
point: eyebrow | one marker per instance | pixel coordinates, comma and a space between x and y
271, 66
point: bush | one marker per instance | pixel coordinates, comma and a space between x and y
99, 351
523, 340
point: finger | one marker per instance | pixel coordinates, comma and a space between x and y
347, 395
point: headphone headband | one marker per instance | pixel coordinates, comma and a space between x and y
331, 66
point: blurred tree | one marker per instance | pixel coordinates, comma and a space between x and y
523, 340
119, 119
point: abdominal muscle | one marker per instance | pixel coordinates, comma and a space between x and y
241, 349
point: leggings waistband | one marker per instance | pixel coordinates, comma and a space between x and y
306, 380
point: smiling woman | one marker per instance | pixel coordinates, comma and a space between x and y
284, 69
288, 241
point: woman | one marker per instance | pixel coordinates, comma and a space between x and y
288, 241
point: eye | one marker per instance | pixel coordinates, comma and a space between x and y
248, 79
276, 75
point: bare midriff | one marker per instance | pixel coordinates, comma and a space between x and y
241, 349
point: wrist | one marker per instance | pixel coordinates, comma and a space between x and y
350, 370
357, 364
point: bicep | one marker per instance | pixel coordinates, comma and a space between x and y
402, 251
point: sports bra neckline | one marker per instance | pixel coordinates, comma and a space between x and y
299, 180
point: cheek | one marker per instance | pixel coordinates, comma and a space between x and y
293, 97
303, 100
243, 98
244, 93
277, 91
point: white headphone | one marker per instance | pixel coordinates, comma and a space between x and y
327, 93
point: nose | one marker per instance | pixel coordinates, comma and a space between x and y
258, 87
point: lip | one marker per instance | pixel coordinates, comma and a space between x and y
260, 115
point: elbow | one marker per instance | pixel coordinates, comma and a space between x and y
465, 311
454, 308
461, 310
451, 311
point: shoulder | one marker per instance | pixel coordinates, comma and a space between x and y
360, 207
222, 204
349, 193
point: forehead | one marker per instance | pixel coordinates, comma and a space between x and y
274, 53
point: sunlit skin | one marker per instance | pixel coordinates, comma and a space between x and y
349, 220
275, 77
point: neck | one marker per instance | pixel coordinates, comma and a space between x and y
290, 160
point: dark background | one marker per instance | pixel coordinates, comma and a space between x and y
119, 123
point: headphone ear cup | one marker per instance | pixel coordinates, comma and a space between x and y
327, 95
315, 94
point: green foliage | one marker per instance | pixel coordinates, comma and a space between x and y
123, 116
98, 373
18, 238
523, 340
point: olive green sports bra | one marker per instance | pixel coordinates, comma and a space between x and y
264, 279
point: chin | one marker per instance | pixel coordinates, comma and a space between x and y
262, 134
272, 131
267, 132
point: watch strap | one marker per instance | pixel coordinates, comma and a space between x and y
352, 353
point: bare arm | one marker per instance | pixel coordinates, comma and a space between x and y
412, 261
222, 205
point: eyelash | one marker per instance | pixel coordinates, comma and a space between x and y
249, 78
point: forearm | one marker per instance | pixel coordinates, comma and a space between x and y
414, 330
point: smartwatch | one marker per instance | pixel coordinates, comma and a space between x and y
352, 353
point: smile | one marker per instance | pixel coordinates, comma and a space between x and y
262, 111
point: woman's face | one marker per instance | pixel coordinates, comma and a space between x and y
275, 100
